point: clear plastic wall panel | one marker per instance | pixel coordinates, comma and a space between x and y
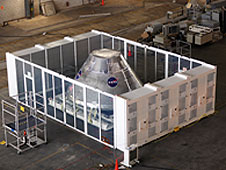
26, 57
119, 45
130, 55
107, 119
107, 42
151, 66
20, 80
95, 43
184, 64
79, 107
161, 59
38, 89
29, 90
93, 119
69, 104
53, 55
68, 57
59, 99
194, 64
140, 63
82, 52
39, 58
28, 69
49, 94
172, 65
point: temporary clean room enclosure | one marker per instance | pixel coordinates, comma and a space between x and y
174, 91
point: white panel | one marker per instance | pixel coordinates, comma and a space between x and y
143, 107
121, 127
11, 72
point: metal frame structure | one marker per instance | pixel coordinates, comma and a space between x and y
25, 124
44, 66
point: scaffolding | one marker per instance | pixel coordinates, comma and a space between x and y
24, 125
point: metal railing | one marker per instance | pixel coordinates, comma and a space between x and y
24, 127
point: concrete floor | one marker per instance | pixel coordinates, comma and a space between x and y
27, 33
199, 147
66, 149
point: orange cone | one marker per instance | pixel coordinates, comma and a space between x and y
116, 164
102, 3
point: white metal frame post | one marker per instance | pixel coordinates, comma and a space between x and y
101, 41
75, 115
113, 42
135, 57
44, 91
145, 64
115, 123
33, 85
85, 110
166, 65
178, 64
61, 60
100, 114
54, 95
75, 55
88, 41
125, 49
25, 83
64, 101
156, 74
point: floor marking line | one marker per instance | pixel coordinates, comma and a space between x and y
48, 156
92, 150
2, 142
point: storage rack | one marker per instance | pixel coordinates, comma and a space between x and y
24, 126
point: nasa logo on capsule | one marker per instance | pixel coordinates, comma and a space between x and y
78, 75
112, 82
